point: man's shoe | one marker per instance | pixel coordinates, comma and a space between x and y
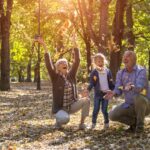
139, 129
131, 129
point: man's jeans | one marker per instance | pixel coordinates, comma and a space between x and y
134, 114
104, 103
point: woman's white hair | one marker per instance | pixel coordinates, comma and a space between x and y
60, 61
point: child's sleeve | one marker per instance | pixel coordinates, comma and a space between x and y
93, 78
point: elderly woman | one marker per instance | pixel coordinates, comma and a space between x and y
64, 86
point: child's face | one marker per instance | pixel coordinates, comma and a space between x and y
99, 62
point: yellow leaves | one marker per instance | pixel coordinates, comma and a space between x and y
120, 87
9, 146
94, 78
143, 92
112, 46
56, 56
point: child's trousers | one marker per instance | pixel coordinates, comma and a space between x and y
104, 105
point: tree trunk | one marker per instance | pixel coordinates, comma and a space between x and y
29, 72
88, 56
85, 33
35, 73
149, 66
103, 25
38, 70
5, 49
129, 21
20, 75
118, 29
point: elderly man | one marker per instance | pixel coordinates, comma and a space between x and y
64, 86
133, 83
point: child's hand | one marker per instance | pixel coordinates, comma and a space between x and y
85, 93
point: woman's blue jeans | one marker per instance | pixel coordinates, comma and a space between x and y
104, 108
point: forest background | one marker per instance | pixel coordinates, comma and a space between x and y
106, 26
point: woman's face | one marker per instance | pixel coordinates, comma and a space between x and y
99, 62
63, 68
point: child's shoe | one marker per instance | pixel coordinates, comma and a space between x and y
106, 126
93, 125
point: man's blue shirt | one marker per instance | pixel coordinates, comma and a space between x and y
137, 77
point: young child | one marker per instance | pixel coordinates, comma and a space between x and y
101, 80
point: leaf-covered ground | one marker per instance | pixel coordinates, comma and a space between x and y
26, 123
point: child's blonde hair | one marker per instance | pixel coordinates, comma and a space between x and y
99, 55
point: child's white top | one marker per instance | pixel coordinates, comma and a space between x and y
103, 80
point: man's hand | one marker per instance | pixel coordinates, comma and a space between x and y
109, 95
128, 86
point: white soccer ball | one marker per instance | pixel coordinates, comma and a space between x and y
62, 117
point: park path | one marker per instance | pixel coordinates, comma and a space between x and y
26, 124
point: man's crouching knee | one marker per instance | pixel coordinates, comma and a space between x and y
112, 116
139, 100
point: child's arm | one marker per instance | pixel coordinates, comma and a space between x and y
93, 79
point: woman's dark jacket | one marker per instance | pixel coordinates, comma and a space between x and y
58, 81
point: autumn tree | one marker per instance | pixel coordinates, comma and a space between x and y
117, 32
129, 31
5, 14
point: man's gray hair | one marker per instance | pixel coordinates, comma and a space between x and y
131, 53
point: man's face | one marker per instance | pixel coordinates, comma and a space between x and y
99, 62
63, 68
128, 60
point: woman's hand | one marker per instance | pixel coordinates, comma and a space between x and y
73, 40
41, 41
